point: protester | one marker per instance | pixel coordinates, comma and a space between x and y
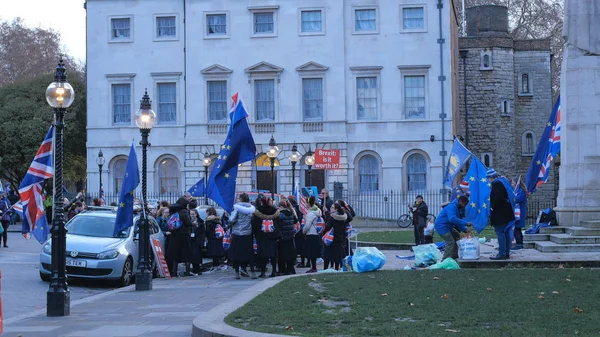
312, 246
521, 200
419, 219
300, 237
286, 251
326, 203
458, 191
162, 220
75, 209
180, 249
5, 208
334, 253
198, 237
96, 202
214, 245
241, 250
266, 239
448, 224
501, 212
351, 214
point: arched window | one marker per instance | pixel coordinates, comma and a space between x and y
118, 173
486, 61
368, 173
264, 179
525, 83
168, 176
416, 168
529, 142
528, 146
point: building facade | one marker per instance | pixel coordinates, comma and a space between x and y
370, 78
506, 94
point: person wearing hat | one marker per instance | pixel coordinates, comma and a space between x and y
419, 212
502, 214
458, 191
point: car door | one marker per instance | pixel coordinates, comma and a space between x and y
155, 232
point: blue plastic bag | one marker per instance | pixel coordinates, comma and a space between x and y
347, 263
367, 259
426, 255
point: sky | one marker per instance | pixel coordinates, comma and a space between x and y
66, 17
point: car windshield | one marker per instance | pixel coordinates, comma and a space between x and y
96, 226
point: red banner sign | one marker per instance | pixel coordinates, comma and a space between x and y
159, 255
327, 159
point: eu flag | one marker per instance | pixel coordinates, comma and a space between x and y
459, 155
547, 149
478, 209
198, 189
238, 148
131, 180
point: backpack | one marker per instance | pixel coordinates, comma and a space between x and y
219, 231
267, 226
226, 240
174, 222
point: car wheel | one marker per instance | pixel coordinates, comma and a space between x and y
45, 277
127, 273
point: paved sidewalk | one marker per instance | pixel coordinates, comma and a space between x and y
166, 311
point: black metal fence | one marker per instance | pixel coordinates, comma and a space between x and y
391, 204
152, 196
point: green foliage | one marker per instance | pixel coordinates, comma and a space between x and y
25, 118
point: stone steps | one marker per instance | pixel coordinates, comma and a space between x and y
590, 224
553, 230
582, 231
571, 239
535, 237
553, 247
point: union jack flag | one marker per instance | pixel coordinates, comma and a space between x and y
548, 148
30, 190
328, 237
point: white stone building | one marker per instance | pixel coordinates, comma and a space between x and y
369, 77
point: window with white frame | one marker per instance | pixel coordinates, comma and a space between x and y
413, 18
365, 20
167, 103
366, 97
120, 29
166, 27
168, 176
416, 172
118, 174
312, 98
121, 103
311, 21
217, 100
264, 99
216, 24
414, 96
264, 23
368, 173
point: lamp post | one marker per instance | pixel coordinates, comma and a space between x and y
100, 162
145, 118
272, 153
294, 158
206, 162
60, 96
309, 160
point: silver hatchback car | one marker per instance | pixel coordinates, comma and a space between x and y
93, 251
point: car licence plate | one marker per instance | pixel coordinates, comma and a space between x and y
76, 263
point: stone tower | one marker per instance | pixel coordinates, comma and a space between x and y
505, 94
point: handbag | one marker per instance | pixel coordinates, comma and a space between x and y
219, 231
328, 237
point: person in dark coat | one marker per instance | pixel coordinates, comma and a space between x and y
337, 220
419, 212
5, 216
501, 212
241, 251
286, 250
214, 245
351, 214
521, 200
180, 249
299, 238
197, 238
267, 242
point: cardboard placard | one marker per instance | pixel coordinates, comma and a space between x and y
159, 255
327, 159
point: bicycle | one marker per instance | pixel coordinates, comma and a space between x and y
405, 220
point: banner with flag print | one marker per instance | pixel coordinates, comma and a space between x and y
478, 209
459, 155
131, 180
547, 149
198, 189
30, 190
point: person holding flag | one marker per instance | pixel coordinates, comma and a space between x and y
131, 180
502, 214
449, 223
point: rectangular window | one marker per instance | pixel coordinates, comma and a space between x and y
414, 97
217, 100
311, 21
312, 98
264, 23
264, 93
216, 24
366, 95
365, 20
167, 103
166, 26
121, 103
121, 28
413, 18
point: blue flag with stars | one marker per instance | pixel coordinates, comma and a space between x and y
131, 180
198, 189
478, 209
459, 155
238, 148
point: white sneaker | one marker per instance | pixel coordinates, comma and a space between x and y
319, 261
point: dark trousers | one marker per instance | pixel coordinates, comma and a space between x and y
287, 266
4, 237
519, 236
419, 234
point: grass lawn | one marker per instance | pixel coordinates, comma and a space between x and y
407, 236
517, 302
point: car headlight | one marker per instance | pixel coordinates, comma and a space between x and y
109, 254
47, 249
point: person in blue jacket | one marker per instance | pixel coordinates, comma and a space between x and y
449, 223
521, 200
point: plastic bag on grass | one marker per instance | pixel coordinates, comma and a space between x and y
367, 259
347, 263
330, 270
426, 255
468, 248
448, 263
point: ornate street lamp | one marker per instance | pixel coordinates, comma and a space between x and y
60, 96
100, 162
309, 160
294, 158
272, 153
206, 162
145, 118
